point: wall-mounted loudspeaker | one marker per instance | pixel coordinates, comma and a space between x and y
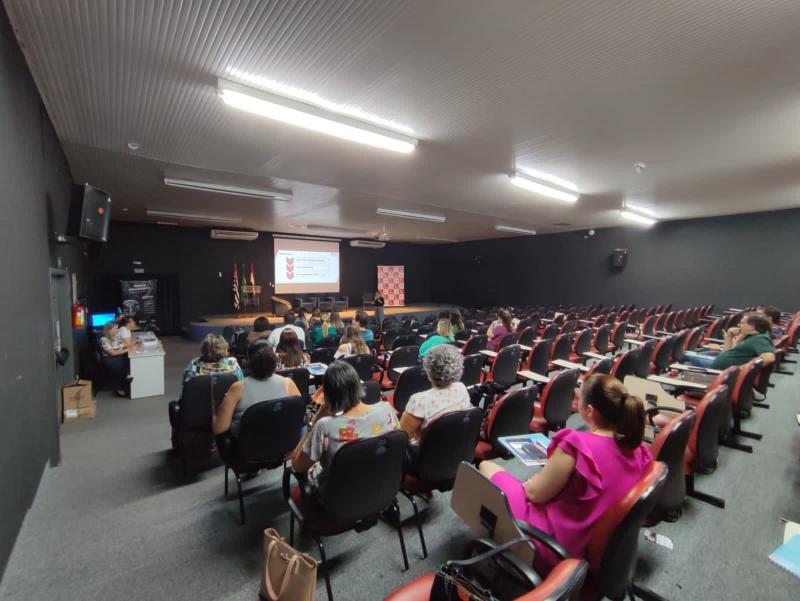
619, 257
90, 213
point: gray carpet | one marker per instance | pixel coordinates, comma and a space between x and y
117, 520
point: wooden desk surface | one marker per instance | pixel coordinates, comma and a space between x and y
532, 375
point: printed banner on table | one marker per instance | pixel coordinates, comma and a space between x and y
391, 283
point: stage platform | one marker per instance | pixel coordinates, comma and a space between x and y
214, 324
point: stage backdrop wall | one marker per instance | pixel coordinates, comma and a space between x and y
34, 203
735, 260
195, 261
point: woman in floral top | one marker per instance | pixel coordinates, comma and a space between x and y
213, 360
342, 418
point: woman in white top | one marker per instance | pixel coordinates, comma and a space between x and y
127, 325
352, 343
115, 358
443, 365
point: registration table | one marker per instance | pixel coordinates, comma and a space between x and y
147, 368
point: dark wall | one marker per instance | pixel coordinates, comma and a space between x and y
731, 261
197, 260
35, 201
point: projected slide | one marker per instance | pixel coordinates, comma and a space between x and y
306, 266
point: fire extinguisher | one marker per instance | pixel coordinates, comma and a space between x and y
78, 316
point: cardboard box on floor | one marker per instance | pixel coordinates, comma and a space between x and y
77, 402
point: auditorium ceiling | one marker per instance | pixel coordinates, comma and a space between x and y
688, 108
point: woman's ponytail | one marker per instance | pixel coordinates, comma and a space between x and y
629, 430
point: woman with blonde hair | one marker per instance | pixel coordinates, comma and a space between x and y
444, 333
352, 343
213, 360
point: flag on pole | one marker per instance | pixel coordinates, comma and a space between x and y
244, 283
235, 288
252, 275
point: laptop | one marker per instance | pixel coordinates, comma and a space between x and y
484, 508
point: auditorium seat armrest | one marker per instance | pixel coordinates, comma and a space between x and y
542, 537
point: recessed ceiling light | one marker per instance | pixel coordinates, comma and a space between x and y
124, 209
134, 145
527, 182
315, 118
285, 195
635, 217
435, 239
411, 215
514, 230
193, 216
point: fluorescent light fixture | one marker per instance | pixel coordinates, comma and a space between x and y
227, 189
548, 177
523, 180
514, 230
637, 218
639, 209
192, 216
411, 215
308, 116
435, 239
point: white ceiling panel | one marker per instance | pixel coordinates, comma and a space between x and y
706, 94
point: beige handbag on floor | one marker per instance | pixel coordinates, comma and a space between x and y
288, 575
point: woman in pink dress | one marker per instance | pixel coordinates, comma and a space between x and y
586, 472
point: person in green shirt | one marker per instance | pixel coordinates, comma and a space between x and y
315, 333
741, 345
456, 321
444, 333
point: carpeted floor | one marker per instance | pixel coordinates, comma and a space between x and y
118, 520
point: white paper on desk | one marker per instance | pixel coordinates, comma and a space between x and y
790, 530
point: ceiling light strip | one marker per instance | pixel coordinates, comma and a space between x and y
307, 116
435, 239
514, 230
639, 209
192, 216
411, 215
526, 182
227, 189
635, 217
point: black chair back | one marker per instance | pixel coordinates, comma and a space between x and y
583, 342
372, 392
679, 347
557, 398
601, 339
363, 364
742, 396
618, 336
511, 414
508, 340
625, 365
426, 328
323, 355
602, 367
389, 336
569, 326
669, 446
709, 413
403, 357
504, 370
412, 380
195, 401
332, 341
562, 347
527, 335
662, 354
476, 343
301, 377
403, 340
228, 332
645, 352
364, 477
551, 331
539, 357
473, 365
446, 442
270, 430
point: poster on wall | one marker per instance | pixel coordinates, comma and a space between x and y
139, 300
391, 283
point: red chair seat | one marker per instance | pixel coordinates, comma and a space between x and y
416, 590
484, 450
314, 515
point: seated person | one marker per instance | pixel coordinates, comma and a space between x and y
127, 324
363, 325
341, 418
114, 358
263, 384
260, 329
290, 353
773, 316
498, 329
213, 360
314, 334
443, 334
288, 324
302, 319
351, 344
586, 472
456, 321
741, 344
444, 366
337, 324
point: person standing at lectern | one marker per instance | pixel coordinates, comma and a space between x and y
379, 302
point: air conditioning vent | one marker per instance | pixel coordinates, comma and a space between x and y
233, 235
367, 244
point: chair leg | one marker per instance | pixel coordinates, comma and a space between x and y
760, 405
400, 535
291, 528
241, 499
226, 481
418, 518
733, 444
643, 593
701, 496
324, 566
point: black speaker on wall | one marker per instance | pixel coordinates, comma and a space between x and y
619, 258
90, 213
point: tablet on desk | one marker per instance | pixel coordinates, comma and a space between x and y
531, 449
316, 369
